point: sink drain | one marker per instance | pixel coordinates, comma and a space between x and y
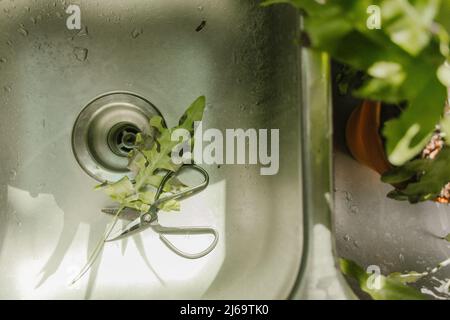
105, 131
121, 138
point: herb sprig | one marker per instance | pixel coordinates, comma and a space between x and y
150, 158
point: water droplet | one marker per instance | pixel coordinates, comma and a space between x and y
12, 174
83, 32
80, 53
41, 187
16, 218
33, 20
347, 237
2, 60
23, 31
348, 196
200, 8
136, 33
7, 88
354, 209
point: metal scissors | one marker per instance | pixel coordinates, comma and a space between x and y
149, 219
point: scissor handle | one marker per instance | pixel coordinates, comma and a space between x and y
184, 193
162, 231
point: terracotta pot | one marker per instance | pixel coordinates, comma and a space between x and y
364, 141
363, 137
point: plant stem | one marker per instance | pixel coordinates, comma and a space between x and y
98, 248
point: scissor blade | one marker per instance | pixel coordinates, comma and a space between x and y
126, 213
129, 230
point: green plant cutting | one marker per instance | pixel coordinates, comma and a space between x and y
149, 160
404, 63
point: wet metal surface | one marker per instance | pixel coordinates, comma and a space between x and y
374, 230
244, 60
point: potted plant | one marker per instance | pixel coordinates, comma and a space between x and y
411, 180
400, 50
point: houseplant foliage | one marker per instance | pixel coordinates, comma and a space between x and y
405, 61
391, 287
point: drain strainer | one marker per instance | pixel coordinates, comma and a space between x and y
105, 131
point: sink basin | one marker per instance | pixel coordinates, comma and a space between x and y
373, 230
242, 57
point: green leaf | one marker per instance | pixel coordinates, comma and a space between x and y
404, 173
192, 114
406, 278
391, 287
408, 23
445, 128
159, 156
443, 14
430, 176
391, 71
348, 79
402, 58
407, 135
443, 74
447, 238
397, 195
149, 158
121, 191
385, 83
157, 122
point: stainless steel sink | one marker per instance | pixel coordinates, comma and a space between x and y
242, 57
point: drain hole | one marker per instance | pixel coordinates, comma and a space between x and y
105, 132
122, 137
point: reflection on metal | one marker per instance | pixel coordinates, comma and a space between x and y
319, 277
104, 132
244, 61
